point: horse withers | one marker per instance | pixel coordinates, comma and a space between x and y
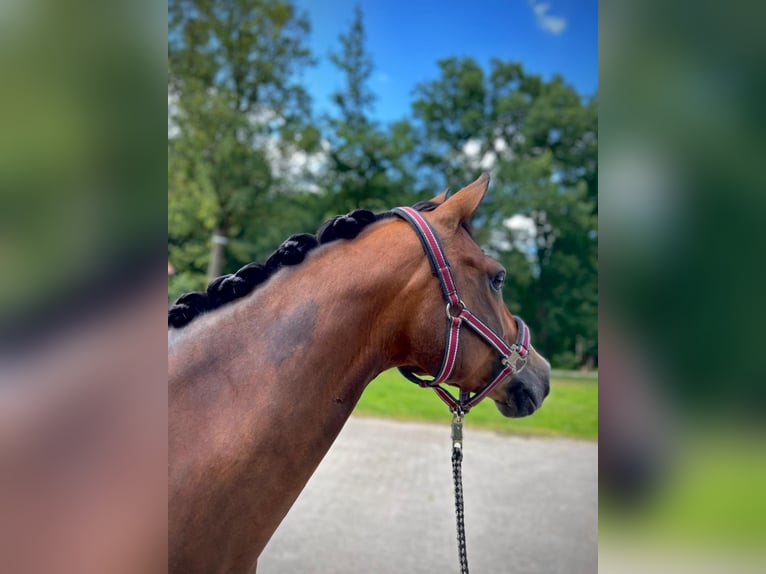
260, 388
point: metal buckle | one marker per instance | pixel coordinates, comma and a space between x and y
457, 428
515, 360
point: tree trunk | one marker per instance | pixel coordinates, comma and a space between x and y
217, 244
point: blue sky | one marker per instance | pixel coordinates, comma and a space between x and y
407, 37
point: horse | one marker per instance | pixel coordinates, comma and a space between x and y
260, 388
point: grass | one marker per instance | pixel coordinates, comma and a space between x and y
710, 495
570, 410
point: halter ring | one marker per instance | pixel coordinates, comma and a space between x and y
450, 314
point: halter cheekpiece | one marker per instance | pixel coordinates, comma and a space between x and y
513, 357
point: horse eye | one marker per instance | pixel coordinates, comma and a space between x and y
498, 280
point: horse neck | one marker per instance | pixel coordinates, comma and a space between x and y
343, 306
260, 389
330, 323
335, 319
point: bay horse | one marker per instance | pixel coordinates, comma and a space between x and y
259, 389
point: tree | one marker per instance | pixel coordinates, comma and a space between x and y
539, 138
451, 112
366, 162
234, 100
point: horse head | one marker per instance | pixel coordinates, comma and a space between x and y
517, 382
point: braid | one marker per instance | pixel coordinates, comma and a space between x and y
292, 251
345, 226
228, 288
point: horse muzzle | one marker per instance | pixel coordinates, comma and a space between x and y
525, 392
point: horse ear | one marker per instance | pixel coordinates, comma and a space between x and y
461, 206
441, 198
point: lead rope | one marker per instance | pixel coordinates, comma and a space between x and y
457, 475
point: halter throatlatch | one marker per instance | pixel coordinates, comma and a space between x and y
513, 358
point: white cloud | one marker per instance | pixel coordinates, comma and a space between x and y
173, 129
522, 223
475, 159
472, 148
488, 161
553, 24
520, 234
297, 168
383, 78
523, 237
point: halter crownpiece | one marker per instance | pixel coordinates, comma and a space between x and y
513, 358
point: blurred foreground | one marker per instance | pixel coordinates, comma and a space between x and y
682, 458
83, 432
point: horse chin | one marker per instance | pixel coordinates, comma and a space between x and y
517, 408
524, 395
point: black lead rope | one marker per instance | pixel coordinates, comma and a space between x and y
457, 475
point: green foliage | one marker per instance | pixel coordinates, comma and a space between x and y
232, 94
366, 163
565, 360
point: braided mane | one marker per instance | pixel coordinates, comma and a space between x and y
228, 288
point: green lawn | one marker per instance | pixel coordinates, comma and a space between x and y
571, 409
710, 495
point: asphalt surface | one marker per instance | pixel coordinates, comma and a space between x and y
381, 502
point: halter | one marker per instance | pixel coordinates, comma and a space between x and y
513, 358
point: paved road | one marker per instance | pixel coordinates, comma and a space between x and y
381, 502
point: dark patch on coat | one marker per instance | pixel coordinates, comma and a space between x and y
293, 333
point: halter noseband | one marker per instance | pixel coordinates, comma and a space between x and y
513, 358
